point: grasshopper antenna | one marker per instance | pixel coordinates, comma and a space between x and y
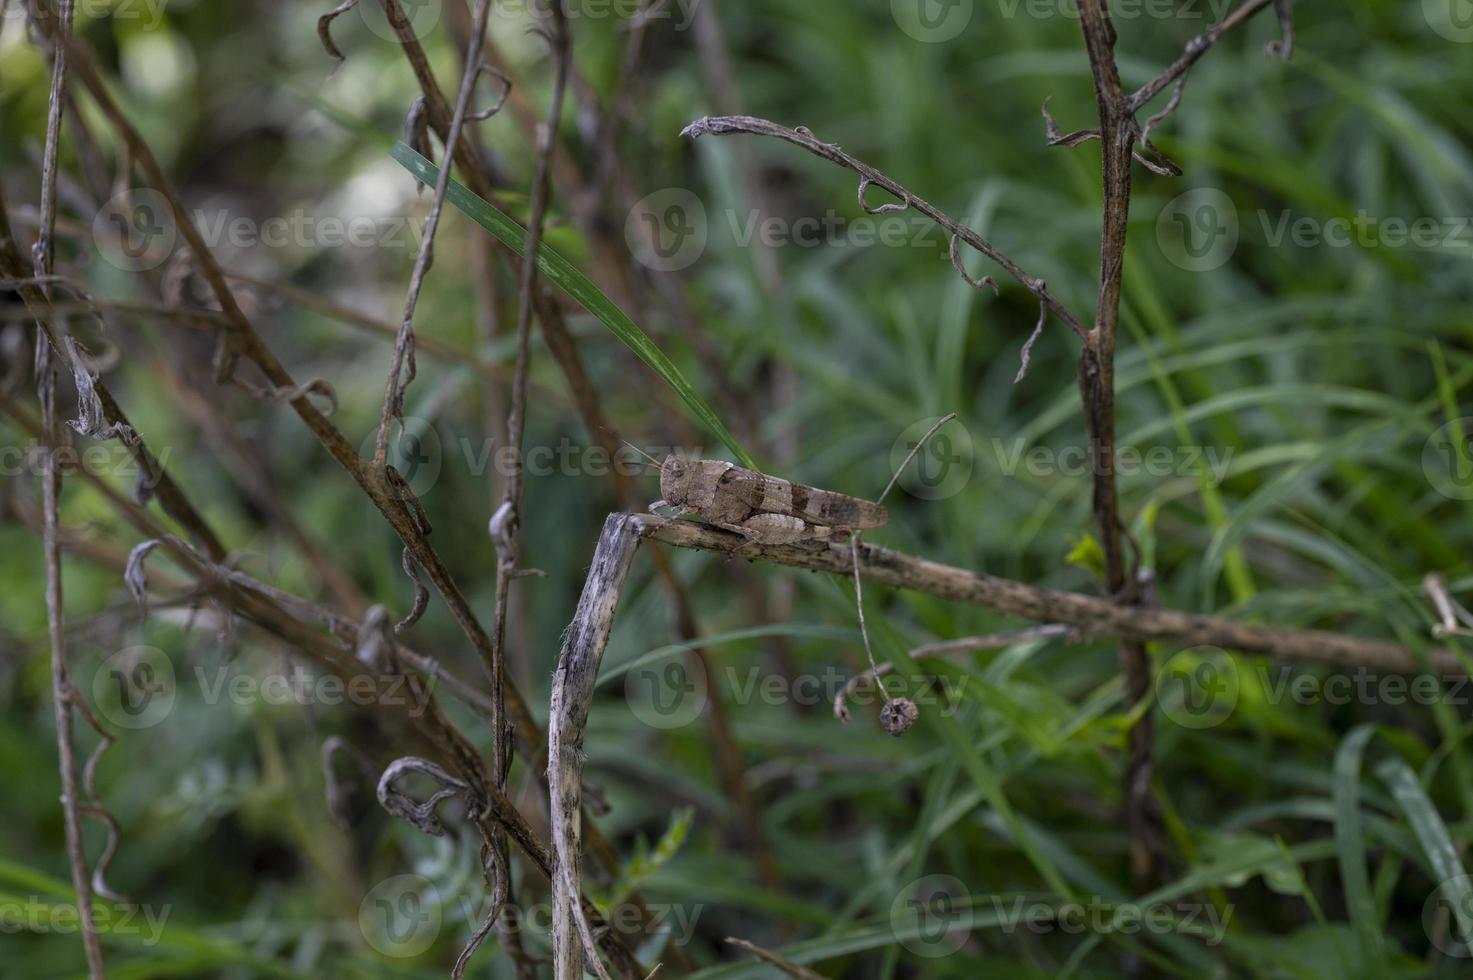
653, 461
898, 714
912, 454
631, 445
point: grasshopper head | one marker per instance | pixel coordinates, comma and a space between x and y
675, 477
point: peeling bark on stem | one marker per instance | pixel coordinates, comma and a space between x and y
572, 690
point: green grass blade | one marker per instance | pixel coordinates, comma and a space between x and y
1433, 835
567, 278
1350, 848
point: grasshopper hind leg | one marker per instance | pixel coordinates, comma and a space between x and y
781, 529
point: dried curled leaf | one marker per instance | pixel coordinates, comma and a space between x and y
1159, 163
499, 878
134, 575
93, 806
421, 594
375, 647
1069, 140
421, 815
485, 70
91, 420
1171, 106
324, 32
1027, 353
1283, 48
956, 263
1455, 619
500, 529
864, 183
417, 129
339, 791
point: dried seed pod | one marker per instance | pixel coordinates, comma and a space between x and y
898, 715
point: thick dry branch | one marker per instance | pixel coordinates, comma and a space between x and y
1093, 617
721, 125
572, 692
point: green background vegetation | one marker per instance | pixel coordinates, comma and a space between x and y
1321, 372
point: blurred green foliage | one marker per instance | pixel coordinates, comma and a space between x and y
1317, 365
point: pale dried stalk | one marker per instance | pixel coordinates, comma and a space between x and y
62, 691
572, 691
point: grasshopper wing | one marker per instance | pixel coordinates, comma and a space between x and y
770, 495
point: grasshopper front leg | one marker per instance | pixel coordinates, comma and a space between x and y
680, 512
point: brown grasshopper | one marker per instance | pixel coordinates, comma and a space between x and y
763, 509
